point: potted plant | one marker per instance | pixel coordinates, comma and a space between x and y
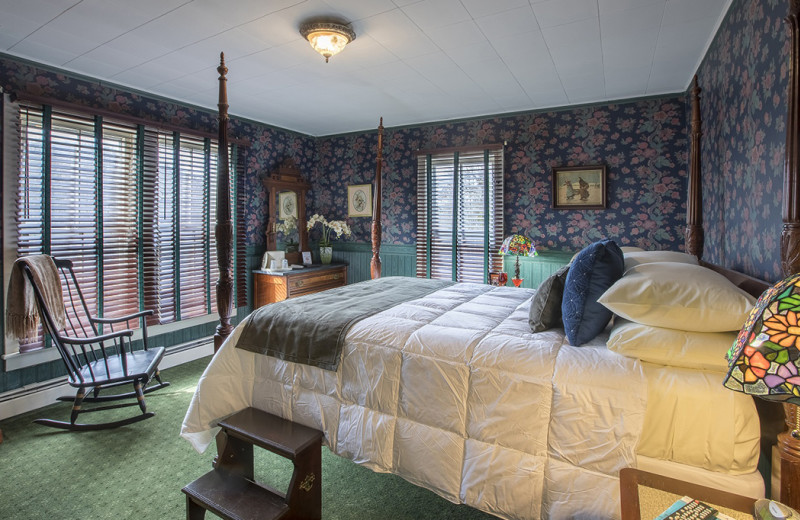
338, 227
289, 230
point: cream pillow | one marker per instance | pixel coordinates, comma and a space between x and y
678, 296
677, 348
635, 258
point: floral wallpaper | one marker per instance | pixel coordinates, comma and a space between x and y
267, 146
744, 82
643, 143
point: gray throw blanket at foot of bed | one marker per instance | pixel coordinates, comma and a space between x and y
311, 329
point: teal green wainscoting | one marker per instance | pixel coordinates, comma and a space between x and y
396, 260
15, 379
535, 269
53, 369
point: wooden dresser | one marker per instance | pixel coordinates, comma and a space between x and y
275, 287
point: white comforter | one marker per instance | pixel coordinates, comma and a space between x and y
454, 393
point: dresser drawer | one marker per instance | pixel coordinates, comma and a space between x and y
271, 288
315, 282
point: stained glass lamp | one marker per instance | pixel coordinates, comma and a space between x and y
764, 358
764, 361
518, 245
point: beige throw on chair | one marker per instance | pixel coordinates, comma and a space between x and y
22, 316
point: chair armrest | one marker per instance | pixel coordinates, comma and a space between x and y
118, 319
97, 339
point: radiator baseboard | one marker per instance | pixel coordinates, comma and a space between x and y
32, 397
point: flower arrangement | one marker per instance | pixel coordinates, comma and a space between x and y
339, 228
287, 227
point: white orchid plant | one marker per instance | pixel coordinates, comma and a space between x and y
287, 226
338, 227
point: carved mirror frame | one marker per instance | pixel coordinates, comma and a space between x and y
286, 177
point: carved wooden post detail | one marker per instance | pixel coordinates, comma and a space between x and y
788, 444
223, 231
790, 237
694, 205
375, 264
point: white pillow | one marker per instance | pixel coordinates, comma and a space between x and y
678, 296
635, 258
677, 348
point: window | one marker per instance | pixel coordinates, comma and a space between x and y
459, 214
132, 206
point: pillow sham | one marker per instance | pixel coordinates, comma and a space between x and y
546, 303
635, 258
678, 296
593, 270
677, 348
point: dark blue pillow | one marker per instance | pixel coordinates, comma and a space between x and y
593, 270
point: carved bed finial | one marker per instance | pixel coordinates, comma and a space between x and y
223, 230
694, 205
375, 264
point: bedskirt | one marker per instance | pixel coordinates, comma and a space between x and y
454, 393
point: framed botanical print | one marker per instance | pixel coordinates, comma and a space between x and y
359, 200
580, 187
287, 204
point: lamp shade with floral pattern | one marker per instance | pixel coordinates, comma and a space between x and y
518, 245
764, 359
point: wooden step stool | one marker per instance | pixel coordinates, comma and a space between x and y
230, 490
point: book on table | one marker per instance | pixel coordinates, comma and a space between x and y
687, 508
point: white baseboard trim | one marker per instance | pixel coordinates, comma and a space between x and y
28, 398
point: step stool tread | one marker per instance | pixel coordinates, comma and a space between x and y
236, 498
271, 432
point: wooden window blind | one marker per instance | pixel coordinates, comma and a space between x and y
31, 197
236, 160
166, 229
120, 294
131, 206
459, 213
193, 186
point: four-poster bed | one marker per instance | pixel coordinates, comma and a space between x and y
356, 421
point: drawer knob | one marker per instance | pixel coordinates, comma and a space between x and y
337, 276
300, 283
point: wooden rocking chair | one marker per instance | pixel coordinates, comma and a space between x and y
96, 361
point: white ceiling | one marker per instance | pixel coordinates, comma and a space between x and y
413, 61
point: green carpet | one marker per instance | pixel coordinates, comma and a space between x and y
137, 471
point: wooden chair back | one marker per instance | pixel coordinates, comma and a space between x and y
80, 341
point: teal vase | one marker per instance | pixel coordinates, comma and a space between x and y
326, 254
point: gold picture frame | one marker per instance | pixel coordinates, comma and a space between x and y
580, 187
287, 204
359, 200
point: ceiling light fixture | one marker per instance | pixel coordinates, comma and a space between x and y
327, 38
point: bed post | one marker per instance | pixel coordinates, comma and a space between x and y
694, 205
224, 228
788, 445
790, 237
375, 264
